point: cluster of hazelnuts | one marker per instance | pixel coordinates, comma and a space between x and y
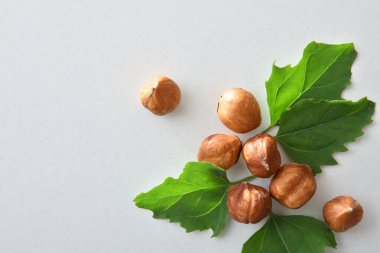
292, 185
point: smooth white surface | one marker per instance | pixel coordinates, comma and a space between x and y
76, 146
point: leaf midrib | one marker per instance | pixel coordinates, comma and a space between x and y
279, 233
262, 241
304, 229
288, 77
193, 191
209, 211
322, 73
322, 123
302, 150
303, 85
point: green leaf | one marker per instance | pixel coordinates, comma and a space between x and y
197, 199
322, 73
291, 234
311, 131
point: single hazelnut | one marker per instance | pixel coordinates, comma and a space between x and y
342, 213
293, 185
220, 149
161, 96
261, 155
239, 111
248, 203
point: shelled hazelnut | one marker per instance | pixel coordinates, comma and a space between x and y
161, 96
248, 203
293, 185
261, 155
239, 111
342, 213
220, 149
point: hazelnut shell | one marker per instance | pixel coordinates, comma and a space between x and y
161, 96
293, 185
220, 149
342, 213
261, 155
248, 203
239, 111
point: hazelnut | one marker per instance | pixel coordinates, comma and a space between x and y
161, 96
342, 213
261, 155
220, 149
293, 185
239, 111
248, 203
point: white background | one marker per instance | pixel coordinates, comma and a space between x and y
76, 146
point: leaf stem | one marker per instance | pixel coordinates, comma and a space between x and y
243, 179
267, 129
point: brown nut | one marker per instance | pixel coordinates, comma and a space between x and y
161, 96
239, 111
293, 185
342, 213
220, 149
248, 203
261, 155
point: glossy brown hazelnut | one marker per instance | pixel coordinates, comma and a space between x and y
261, 155
220, 149
342, 213
239, 111
293, 185
248, 203
161, 96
